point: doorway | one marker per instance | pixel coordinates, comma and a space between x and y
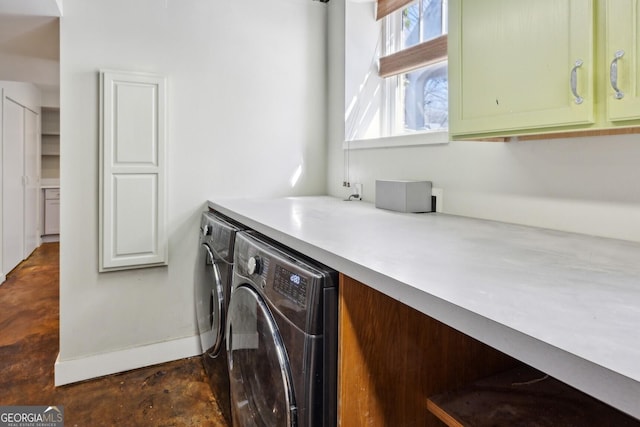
29, 64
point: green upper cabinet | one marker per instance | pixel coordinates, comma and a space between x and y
538, 67
622, 47
520, 65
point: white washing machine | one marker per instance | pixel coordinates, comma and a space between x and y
282, 337
213, 273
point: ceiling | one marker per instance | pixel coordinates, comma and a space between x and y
30, 36
31, 7
30, 28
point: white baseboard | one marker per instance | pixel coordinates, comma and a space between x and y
99, 365
48, 238
2, 278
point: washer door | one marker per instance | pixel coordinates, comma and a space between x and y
260, 378
210, 304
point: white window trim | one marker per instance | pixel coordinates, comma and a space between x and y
404, 140
399, 137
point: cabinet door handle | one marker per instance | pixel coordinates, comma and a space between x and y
574, 82
613, 74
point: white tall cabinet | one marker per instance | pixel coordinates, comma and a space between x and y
20, 177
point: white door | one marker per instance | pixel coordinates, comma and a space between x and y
31, 180
12, 185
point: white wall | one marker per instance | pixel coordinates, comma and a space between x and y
587, 185
25, 94
362, 85
246, 109
42, 72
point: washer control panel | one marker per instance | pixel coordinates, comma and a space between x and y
254, 265
290, 284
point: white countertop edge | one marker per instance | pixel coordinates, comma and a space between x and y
49, 182
611, 387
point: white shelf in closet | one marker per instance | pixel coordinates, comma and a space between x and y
50, 142
50, 121
50, 145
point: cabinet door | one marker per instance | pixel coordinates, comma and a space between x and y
511, 62
133, 171
52, 216
622, 25
12, 184
31, 179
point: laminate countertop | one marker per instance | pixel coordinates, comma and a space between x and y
567, 304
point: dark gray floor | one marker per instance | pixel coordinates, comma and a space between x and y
171, 394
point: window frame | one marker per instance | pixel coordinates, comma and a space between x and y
392, 130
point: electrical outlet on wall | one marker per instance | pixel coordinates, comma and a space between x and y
438, 193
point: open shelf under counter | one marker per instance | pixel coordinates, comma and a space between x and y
523, 396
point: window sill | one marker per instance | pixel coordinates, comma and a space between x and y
407, 140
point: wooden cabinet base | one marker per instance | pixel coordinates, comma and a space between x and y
392, 358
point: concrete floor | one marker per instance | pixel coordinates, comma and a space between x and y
171, 394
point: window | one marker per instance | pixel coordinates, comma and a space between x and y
415, 67
396, 72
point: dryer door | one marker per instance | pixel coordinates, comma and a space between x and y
260, 378
210, 303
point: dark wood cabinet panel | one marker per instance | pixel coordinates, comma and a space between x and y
392, 358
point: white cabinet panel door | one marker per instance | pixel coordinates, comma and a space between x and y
12, 185
31, 181
52, 216
133, 171
51, 211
